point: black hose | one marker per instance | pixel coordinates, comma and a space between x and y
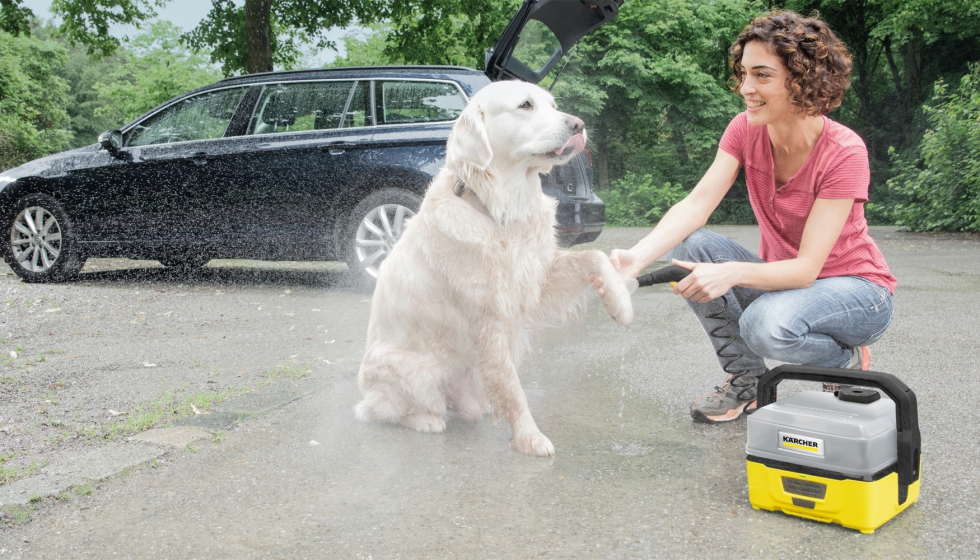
674, 273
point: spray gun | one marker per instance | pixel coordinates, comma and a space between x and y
667, 275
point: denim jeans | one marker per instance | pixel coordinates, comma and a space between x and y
814, 326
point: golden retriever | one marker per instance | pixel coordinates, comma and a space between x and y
476, 270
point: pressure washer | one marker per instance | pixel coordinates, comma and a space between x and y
848, 457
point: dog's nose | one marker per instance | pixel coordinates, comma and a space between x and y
575, 123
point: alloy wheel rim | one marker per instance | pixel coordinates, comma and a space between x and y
35, 239
377, 234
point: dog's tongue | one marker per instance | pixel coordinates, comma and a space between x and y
577, 143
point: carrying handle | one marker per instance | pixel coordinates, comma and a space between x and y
906, 409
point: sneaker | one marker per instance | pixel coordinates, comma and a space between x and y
860, 359
735, 396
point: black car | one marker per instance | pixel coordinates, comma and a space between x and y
301, 165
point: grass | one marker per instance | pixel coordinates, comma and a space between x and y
8, 474
293, 372
173, 406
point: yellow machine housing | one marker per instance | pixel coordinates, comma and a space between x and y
850, 458
855, 504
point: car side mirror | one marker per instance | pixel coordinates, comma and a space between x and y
111, 141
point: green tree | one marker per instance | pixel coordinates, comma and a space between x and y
446, 31
33, 120
651, 87
940, 189
14, 18
155, 67
262, 33
365, 46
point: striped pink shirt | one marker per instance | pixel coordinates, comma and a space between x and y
836, 168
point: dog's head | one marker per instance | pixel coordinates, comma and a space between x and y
508, 133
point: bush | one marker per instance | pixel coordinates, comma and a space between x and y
941, 190
637, 201
33, 121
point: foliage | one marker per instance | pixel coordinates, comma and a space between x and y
365, 46
293, 22
87, 22
14, 18
33, 120
223, 33
651, 87
940, 190
447, 31
156, 68
639, 201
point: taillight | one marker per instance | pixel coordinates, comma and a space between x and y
588, 153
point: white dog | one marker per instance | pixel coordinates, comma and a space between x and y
476, 269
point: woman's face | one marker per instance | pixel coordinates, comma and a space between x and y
764, 89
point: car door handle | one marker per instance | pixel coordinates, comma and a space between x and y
337, 148
200, 158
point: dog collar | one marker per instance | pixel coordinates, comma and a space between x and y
460, 190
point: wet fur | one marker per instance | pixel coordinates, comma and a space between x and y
457, 299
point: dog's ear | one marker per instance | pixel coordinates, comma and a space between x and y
468, 149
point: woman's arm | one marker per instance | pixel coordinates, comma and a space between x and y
823, 227
682, 219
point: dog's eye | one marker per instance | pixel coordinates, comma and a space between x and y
526, 105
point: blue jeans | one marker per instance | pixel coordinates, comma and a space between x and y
815, 326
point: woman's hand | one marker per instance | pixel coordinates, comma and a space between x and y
706, 282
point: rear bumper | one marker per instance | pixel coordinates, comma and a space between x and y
579, 220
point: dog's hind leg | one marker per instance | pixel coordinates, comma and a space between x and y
462, 395
404, 388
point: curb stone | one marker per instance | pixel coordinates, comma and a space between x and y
105, 461
98, 464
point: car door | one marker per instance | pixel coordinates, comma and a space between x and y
304, 141
541, 33
150, 194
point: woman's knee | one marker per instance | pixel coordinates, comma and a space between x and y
696, 247
768, 334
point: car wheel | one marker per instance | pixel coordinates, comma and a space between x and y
39, 245
184, 261
377, 223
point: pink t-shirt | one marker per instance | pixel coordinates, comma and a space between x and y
836, 168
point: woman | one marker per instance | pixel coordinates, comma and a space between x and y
820, 291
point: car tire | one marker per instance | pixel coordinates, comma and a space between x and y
38, 241
375, 225
184, 262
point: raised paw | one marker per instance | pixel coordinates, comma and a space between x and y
616, 300
534, 443
425, 423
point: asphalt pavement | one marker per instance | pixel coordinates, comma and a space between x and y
278, 466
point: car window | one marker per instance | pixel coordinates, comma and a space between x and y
359, 111
200, 117
535, 48
296, 107
412, 102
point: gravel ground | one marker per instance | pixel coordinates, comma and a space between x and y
633, 475
79, 361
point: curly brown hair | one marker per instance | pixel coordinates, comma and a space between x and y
819, 63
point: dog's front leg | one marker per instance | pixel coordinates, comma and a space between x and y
571, 274
498, 369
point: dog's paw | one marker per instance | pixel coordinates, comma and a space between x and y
534, 444
617, 301
425, 423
